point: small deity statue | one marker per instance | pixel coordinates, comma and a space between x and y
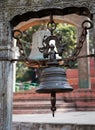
52, 53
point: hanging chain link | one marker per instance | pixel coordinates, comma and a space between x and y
17, 34
51, 26
86, 25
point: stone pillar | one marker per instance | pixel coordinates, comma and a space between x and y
6, 77
83, 64
93, 35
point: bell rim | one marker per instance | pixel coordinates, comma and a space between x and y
65, 90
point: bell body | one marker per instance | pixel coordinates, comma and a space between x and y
53, 79
37, 43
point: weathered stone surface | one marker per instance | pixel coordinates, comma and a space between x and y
18, 7
37, 126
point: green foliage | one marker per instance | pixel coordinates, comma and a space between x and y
24, 73
21, 69
28, 33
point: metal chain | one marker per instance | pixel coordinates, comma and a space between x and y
17, 34
19, 43
51, 26
79, 46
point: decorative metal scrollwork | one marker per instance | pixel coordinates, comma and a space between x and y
46, 48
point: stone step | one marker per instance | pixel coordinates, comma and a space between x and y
41, 105
27, 102
30, 96
41, 111
28, 107
85, 106
31, 111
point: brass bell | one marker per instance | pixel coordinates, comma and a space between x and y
53, 79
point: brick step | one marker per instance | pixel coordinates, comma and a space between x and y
41, 105
85, 95
41, 111
78, 99
29, 103
31, 107
29, 96
73, 99
32, 111
34, 99
85, 106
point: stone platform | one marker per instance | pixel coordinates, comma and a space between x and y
61, 121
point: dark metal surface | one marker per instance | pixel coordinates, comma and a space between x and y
53, 103
53, 79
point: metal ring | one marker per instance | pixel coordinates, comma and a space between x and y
19, 34
85, 26
51, 26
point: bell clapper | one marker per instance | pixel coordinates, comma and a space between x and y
53, 102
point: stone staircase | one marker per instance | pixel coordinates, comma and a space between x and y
29, 102
84, 99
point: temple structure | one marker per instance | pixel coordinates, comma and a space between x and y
25, 13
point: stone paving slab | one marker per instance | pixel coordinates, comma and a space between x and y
79, 118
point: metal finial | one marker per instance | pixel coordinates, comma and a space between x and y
53, 103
